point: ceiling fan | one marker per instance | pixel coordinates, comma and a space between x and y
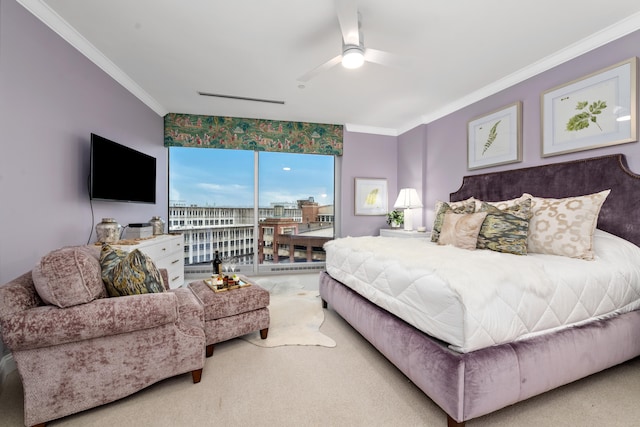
354, 53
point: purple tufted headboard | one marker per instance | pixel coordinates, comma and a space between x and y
620, 213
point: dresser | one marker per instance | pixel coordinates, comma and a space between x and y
166, 251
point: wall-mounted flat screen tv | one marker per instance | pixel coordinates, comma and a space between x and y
119, 173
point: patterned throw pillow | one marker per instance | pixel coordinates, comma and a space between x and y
565, 226
501, 204
507, 204
505, 230
129, 273
465, 206
461, 230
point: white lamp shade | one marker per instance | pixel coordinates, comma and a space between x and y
408, 198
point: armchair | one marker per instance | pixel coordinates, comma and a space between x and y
74, 358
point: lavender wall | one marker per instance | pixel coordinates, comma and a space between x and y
412, 161
366, 156
445, 139
52, 99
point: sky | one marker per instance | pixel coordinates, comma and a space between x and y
220, 177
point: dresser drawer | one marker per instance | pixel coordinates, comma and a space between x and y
164, 247
175, 273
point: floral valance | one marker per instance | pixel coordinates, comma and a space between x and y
190, 130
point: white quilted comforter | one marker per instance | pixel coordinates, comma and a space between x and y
476, 299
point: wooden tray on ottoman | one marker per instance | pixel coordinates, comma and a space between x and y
242, 282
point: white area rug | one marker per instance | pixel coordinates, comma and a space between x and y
296, 316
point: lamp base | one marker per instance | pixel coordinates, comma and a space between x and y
408, 220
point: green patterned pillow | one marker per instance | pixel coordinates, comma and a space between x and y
129, 273
466, 206
505, 230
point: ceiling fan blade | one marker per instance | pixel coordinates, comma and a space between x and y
311, 74
347, 11
388, 59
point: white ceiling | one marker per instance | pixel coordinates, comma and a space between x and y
459, 52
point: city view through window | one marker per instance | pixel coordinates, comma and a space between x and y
257, 209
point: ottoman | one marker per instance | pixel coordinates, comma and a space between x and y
232, 313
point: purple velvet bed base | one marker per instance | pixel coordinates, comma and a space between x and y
470, 385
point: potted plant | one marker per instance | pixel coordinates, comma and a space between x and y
395, 218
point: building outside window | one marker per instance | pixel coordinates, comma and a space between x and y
265, 209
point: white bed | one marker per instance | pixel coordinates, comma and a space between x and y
476, 299
556, 332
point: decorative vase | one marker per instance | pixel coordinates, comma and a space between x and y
395, 224
108, 231
158, 225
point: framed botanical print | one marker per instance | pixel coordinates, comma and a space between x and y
495, 138
597, 110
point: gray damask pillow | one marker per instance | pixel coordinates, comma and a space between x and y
505, 230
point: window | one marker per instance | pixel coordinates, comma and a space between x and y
294, 216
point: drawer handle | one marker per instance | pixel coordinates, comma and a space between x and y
175, 278
164, 249
175, 261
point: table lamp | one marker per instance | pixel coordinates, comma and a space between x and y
408, 199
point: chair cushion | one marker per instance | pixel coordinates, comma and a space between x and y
68, 276
129, 273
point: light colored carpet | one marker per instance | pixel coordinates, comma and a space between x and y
349, 385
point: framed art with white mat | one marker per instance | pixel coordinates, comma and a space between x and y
594, 111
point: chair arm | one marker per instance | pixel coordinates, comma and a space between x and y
191, 312
45, 326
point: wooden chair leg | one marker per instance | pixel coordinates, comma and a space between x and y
263, 333
453, 423
196, 375
209, 352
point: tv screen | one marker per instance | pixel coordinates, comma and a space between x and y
120, 173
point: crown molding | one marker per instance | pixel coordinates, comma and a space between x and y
54, 21
620, 29
351, 127
598, 39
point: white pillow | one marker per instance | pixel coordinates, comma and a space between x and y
564, 226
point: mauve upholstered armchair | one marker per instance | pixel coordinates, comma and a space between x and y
76, 349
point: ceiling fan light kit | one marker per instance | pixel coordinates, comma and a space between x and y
354, 54
352, 57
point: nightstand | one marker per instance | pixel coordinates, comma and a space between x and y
402, 233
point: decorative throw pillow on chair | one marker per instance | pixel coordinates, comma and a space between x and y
129, 273
68, 276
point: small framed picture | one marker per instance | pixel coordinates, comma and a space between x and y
371, 196
595, 111
495, 138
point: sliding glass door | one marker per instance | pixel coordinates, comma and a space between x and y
264, 210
